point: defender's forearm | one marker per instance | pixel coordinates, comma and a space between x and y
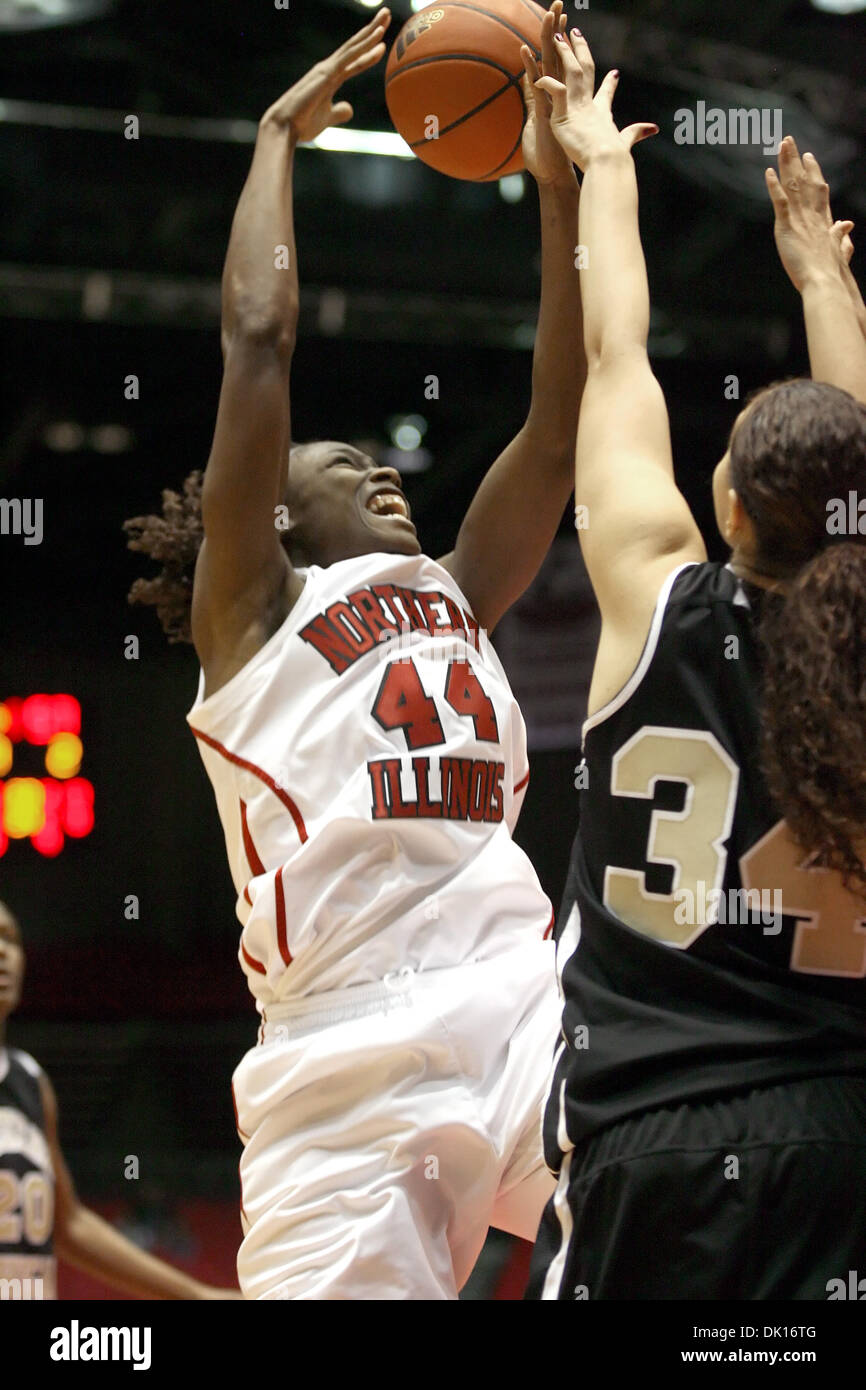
616, 304
856, 297
260, 279
837, 347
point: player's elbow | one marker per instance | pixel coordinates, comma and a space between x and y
612, 351
260, 333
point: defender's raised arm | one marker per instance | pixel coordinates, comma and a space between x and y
810, 248
634, 524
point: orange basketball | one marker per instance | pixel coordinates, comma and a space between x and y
453, 85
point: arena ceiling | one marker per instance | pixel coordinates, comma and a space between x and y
80, 197
111, 249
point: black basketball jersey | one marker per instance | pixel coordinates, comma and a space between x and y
27, 1265
697, 953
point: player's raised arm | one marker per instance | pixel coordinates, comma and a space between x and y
243, 572
84, 1240
517, 510
634, 524
810, 249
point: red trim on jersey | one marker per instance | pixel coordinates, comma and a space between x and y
521, 785
263, 776
551, 924
253, 859
280, 897
250, 850
251, 961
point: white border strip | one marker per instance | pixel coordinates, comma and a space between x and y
553, 1279
647, 654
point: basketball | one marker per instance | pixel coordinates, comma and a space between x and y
453, 85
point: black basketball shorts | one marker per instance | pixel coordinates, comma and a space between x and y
757, 1195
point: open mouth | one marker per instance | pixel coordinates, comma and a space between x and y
389, 504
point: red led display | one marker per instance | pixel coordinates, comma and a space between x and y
46, 809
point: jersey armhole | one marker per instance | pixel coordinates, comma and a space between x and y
646, 656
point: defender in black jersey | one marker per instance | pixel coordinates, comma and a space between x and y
27, 1264
707, 1115
38, 1202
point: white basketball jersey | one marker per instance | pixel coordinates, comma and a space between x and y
369, 764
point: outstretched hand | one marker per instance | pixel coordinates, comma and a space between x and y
544, 157
308, 108
582, 122
807, 238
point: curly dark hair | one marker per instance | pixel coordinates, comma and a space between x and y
174, 540
797, 456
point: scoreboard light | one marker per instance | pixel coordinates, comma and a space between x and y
63, 755
44, 809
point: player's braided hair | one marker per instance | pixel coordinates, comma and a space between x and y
173, 540
797, 457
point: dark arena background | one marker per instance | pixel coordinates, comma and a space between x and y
111, 251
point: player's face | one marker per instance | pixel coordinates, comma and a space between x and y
342, 503
11, 962
722, 500
721, 491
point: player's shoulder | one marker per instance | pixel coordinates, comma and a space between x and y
18, 1057
708, 582
703, 602
23, 1078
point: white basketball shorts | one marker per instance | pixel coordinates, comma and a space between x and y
387, 1126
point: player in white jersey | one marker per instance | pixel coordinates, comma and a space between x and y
369, 762
40, 1212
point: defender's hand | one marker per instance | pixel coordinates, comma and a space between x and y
308, 108
807, 239
583, 123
